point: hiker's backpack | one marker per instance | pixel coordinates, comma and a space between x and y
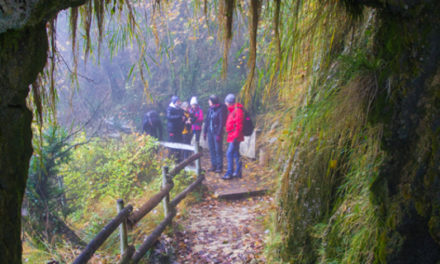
248, 125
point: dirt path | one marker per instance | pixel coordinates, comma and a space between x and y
224, 231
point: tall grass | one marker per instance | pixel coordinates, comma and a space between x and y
326, 82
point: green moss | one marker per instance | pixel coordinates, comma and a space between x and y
434, 227
376, 211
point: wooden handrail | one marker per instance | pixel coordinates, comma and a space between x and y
184, 163
175, 145
149, 241
103, 235
132, 218
185, 192
138, 214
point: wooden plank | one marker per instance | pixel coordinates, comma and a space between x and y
183, 164
151, 239
99, 239
185, 192
174, 145
148, 206
239, 193
190, 169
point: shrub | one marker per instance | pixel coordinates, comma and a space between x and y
113, 168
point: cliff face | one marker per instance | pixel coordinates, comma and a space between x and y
23, 54
362, 183
407, 188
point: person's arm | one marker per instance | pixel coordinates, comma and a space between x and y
192, 118
221, 122
239, 118
229, 127
205, 128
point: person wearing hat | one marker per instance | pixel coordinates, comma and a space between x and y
175, 124
197, 117
151, 124
234, 128
213, 132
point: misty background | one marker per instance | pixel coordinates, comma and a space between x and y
175, 54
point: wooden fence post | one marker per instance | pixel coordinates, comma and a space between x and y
122, 228
166, 200
198, 164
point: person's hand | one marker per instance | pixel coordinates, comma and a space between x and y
204, 136
217, 138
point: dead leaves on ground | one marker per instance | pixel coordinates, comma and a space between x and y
220, 231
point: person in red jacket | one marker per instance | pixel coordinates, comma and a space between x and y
234, 128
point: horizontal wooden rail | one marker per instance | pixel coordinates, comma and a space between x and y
174, 145
185, 192
103, 235
183, 164
148, 206
149, 241
129, 254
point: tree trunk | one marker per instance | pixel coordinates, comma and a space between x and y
23, 56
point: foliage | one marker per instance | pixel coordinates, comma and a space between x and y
110, 168
95, 175
345, 81
332, 152
45, 201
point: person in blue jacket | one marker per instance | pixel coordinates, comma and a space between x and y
213, 132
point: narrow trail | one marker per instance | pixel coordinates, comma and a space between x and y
225, 230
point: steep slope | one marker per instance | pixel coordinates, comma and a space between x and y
361, 181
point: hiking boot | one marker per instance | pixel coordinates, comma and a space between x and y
236, 175
218, 170
226, 177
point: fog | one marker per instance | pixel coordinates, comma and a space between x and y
175, 53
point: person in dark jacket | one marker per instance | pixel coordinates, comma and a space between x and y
175, 124
213, 132
151, 125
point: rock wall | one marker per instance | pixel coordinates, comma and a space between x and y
369, 192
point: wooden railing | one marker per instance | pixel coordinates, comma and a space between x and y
127, 218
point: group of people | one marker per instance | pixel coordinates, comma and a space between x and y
185, 121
